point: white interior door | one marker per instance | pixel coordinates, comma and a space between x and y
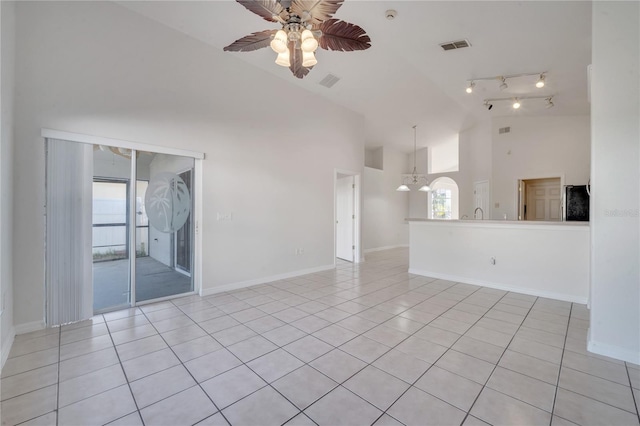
544, 200
345, 217
481, 197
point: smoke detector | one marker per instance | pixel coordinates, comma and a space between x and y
391, 14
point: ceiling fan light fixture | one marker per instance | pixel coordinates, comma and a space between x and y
284, 59
308, 59
308, 42
540, 82
279, 42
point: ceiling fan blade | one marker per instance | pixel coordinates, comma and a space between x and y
320, 10
266, 9
342, 36
296, 62
251, 42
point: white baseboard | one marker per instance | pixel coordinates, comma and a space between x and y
264, 280
371, 250
612, 351
6, 346
529, 291
28, 327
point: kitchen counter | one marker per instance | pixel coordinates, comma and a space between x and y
547, 259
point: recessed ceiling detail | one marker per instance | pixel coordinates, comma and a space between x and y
452, 45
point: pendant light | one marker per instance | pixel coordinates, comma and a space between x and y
414, 178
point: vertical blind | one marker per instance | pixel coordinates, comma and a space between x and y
68, 277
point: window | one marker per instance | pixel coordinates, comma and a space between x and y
441, 204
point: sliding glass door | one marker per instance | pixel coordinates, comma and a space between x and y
167, 205
142, 233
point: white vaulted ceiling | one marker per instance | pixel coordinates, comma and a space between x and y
405, 78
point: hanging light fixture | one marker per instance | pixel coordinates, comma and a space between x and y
414, 178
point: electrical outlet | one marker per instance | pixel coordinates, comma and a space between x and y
227, 217
492, 260
299, 251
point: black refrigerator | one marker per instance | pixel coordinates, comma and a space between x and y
576, 203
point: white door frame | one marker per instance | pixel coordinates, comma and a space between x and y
197, 192
357, 206
516, 195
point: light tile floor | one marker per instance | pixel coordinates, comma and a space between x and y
361, 344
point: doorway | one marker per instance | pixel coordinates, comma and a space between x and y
127, 244
540, 199
347, 219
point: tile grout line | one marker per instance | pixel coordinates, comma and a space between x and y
185, 368
124, 374
498, 362
633, 394
448, 349
555, 394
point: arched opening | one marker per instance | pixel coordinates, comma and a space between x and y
443, 200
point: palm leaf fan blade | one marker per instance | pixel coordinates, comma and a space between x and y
319, 10
266, 9
296, 62
251, 42
342, 36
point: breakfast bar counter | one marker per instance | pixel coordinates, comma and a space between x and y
546, 259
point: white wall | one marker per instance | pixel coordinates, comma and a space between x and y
615, 171
543, 260
537, 147
384, 208
96, 68
475, 159
7, 62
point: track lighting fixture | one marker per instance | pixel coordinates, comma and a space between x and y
470, 87
516, 103
549, 102
540, 83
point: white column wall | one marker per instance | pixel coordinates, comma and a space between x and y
615, 174
7, 77
384, 208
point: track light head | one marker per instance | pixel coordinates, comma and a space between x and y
470, 87
540, 82
516, 104
550, 103
488, 105
503, 85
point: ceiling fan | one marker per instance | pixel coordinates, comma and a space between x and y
306, 25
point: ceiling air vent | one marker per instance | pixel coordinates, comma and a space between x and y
503, 130
329, 80
451, 45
